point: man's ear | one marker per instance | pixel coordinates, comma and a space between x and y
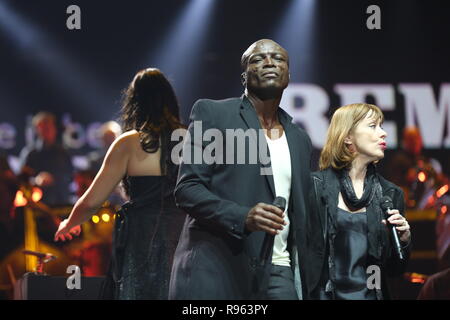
244, 79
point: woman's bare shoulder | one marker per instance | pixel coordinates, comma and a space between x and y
126, 142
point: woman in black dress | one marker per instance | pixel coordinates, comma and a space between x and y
148, 226
351, 250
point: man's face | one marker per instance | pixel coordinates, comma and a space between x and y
267, 72
46, 130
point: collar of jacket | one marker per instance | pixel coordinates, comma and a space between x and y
251, 118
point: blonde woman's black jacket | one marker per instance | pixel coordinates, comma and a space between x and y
324, 196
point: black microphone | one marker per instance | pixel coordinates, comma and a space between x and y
47, 256
386, 204
280, 203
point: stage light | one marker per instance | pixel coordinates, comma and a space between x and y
54, 61
188, 33
414, 277
422, 176
444, 209
442, 190
417, 280
20, 200
37, 194
95, 219
105, 217
297, 32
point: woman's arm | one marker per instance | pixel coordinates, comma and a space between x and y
113, 169
395, 266
398, 220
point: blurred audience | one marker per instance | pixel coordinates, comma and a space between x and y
49, 163
8, 188
109, 131
418, 175
437, 287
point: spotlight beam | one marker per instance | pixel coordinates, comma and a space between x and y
179, 56
71, 77
297, 32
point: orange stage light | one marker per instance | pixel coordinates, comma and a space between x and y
20, 200
414, 277
422, 176
37, 194
417, 280
442, 190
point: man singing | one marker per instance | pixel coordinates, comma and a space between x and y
229, 203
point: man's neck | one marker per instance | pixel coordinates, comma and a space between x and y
265, 109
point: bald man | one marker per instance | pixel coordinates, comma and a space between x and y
229, 201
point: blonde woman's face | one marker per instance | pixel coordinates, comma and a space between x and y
368, 139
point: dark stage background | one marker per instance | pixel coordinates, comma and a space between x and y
79, 74
404, 67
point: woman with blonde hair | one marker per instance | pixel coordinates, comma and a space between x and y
350, 245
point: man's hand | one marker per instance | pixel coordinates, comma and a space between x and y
265, 217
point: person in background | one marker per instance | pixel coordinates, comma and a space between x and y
49, 163
9, 185
418, 175
436, 287
108, 132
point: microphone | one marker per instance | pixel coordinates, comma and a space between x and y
279, 202
45, 256
386, 204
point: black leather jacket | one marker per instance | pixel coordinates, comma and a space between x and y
325, 185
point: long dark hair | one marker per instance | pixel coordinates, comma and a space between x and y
151, 108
